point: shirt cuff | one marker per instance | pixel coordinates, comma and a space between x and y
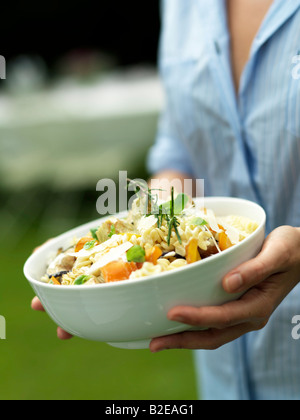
166, 154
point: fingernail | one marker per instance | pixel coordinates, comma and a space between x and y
234, 282
157, 350
178, 318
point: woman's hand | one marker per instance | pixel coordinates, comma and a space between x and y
37, 306
267, 280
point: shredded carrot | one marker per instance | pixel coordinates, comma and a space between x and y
192, 253
118, 270
55, 281
153, 254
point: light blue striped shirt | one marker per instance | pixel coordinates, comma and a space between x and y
246, 146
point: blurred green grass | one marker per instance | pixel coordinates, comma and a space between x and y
34, 364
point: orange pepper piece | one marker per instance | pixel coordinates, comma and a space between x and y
118, 270
153, 254
192, 253
82, 242
224, 241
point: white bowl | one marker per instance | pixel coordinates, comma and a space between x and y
128, 314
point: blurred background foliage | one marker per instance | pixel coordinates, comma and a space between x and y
80, 102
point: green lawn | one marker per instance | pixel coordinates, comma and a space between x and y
35, 365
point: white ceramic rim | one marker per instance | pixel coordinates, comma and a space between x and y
164, 274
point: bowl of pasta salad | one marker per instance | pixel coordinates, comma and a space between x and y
114, 280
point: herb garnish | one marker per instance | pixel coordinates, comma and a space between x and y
112, 231
172, 221
136, 254
198, 221
89, 245
166, 211
94, 233
151, 206
81, 280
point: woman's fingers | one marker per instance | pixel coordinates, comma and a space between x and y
225, 330
63, 335
211, 339
252, 307
36, 305
206, 317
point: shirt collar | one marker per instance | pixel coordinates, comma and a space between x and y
278, 15
214, 18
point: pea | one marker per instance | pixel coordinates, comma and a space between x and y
81, 280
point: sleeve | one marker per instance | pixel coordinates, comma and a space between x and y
168, 151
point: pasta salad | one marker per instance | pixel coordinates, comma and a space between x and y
166, 237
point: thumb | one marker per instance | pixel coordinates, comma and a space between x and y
271, 260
